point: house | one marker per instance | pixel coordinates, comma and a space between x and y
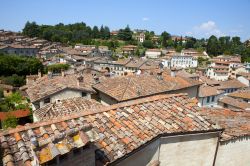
239, 100
183, 73
52, 88
157, 130
210, 82
247, 67
209, 95
244, 95
234, 144
65, 107
153, 53
129, 49
224, 67
118, 89
19, 49
194, 53
244, 78
114, 33
233, 103
104, 51
179, 38
140, 37
7, 89
231, 86
183, 61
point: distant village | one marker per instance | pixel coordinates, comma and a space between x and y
156, 107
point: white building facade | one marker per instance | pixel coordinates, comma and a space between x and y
184, 61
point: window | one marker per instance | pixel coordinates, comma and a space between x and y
225, 105
213, 98
47, 100
84, 94
208, 99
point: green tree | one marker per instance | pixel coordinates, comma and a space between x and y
20, 65
148, 44
1, 93
212, 46
31, 29
11, 121
190, 42
137, 52
57, 68
95, 32
164, 37
125, 34
14, 80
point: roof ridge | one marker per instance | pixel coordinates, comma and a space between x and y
88, 112
126, 88
51, 106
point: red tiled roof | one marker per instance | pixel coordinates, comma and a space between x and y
244, 94
231, 84
46, 86
66, 107
117, 130
235, 103
17, 114
206, 90
235, 123
135, 86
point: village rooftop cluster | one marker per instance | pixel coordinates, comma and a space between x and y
162, 107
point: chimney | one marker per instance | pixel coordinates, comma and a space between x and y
97, 80
159, 75
79, 80
173, 72
75, 70
50, 74
39, 73
62, 72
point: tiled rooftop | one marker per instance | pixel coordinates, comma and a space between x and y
66, 107
244, 94
235, 123
135, 86
235, 103
117, 130
46, 86
231, 84
206, 90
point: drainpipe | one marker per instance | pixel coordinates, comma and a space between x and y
217, 147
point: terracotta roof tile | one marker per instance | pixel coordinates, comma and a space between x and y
46, 86
118, 129
17, 114
235, 103
231, 84
66, 107
235, 123
135, 86
206, 90
244, 94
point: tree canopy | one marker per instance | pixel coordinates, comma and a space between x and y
20, 65
125, 34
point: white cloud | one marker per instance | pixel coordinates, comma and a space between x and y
145, 19
206, 29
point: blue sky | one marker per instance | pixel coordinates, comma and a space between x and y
199, 18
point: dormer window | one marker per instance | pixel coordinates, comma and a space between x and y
47, 100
